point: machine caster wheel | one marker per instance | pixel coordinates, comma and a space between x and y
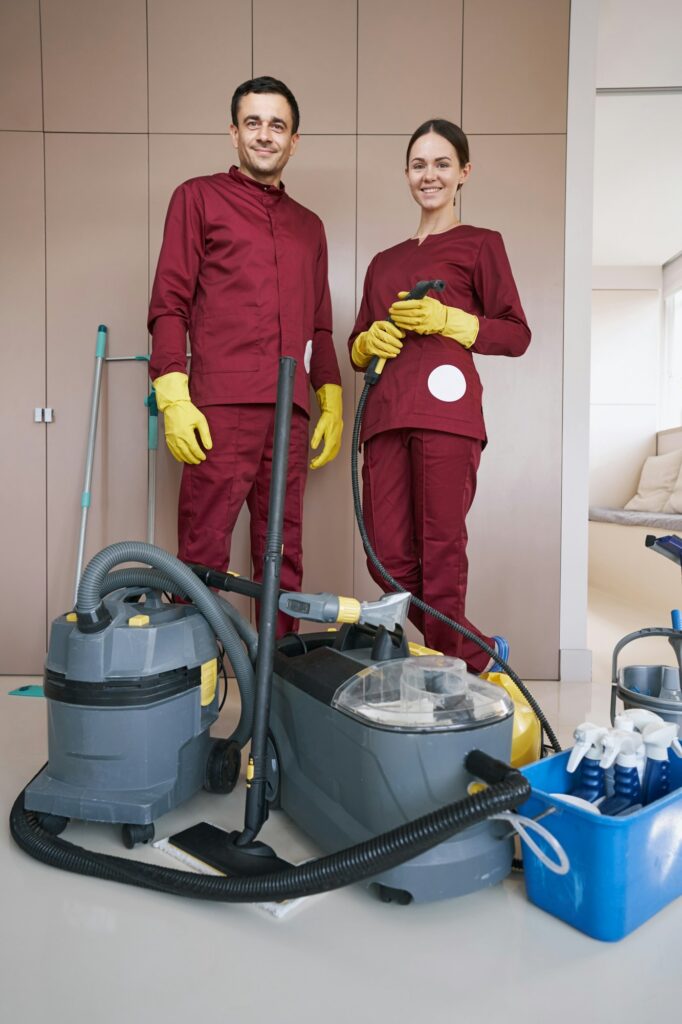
134, 834
222, 767
389, 895
53, 824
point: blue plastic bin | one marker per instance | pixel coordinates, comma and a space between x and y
623, 870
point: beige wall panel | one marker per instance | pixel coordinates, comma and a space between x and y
322, 177
22, 455
172, 160
95, 65
515, 66
402, 80
21, 101
312, 46
199, 52
97, 246
515, 522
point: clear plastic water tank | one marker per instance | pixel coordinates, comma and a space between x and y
422, 694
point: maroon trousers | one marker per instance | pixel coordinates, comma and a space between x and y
237, 470
418, 486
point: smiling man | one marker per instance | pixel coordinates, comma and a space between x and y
243, 271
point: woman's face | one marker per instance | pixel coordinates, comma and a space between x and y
434, 172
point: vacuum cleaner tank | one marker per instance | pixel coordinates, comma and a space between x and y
422, 694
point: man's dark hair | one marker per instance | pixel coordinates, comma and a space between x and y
266, 84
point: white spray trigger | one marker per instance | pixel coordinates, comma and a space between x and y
636, 718
659, 738
588, 738
622, 745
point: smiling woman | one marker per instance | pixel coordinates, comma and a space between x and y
423, 430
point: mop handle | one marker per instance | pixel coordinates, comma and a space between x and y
100, 357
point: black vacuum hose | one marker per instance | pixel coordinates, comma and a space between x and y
508, 789
394, 585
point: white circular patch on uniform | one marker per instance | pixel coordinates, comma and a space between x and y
307, 356
447, 383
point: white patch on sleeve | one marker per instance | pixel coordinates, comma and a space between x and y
307, 356
447, 383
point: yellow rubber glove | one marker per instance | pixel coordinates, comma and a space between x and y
383, 339
181, 419
429, 316
330, 424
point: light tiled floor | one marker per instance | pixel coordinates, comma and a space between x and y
77, 949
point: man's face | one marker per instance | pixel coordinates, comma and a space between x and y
263, 137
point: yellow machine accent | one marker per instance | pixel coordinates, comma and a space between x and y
72, 617
349, 609
526, 735
418, 651
209, 681
138, 620
230, 573
250, 772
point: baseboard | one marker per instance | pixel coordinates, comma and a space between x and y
575, 666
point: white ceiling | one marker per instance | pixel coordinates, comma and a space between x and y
638, 138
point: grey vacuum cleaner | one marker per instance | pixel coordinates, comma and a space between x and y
376, 754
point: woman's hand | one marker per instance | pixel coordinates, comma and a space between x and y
429, 316
383, 339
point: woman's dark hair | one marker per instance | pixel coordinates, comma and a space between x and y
452, 132
266, 84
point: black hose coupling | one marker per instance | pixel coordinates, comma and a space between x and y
94, 621
492, 771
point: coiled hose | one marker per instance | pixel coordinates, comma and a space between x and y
90, 611
394, 585
508, 789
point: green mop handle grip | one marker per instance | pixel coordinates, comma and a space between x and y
152, 421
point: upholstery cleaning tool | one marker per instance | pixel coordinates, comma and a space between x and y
587, 755
100, 356
624, 749
371, 377
657, 740
389, 611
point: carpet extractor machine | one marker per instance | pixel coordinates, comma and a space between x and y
395, 763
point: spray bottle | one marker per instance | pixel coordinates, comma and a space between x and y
624, 748
657, 740
587, 753
636, 720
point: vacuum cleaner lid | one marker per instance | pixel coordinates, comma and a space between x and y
422, 694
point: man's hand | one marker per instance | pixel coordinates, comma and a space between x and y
330, 424
181, 419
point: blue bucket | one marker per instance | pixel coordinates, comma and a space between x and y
622, 870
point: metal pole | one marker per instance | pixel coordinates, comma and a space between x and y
100, 357
152, 448
255, 813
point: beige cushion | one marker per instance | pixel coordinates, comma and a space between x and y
674, 502
659, 477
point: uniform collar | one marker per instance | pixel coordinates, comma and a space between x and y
245, 180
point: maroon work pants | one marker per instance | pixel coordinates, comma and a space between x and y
237, 470
418, 486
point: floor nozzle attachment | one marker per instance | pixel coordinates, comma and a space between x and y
219, 849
